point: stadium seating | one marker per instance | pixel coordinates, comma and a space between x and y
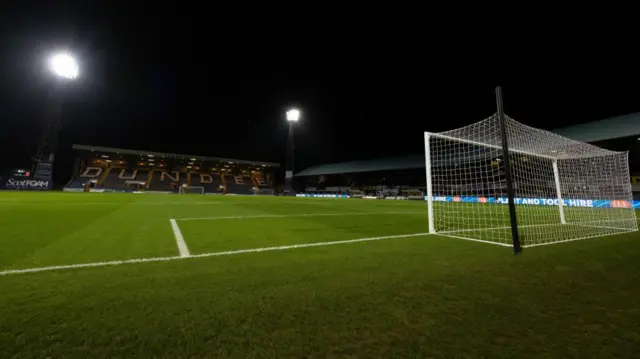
84, 176
238, 184
261, 183
211, 182
122, 179
166, 181
118, 178
76, 182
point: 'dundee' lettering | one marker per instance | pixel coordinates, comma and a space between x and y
205, 178
91, 172
130, 177
176, 178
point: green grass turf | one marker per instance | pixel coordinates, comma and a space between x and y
421, 297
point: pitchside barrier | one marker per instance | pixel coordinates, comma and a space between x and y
588, 203
315, 195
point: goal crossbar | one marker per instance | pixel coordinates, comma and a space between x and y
484, 144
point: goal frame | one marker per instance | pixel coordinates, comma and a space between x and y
560, 207
500, 141
427, 151
180, 189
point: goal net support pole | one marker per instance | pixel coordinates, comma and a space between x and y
515, 238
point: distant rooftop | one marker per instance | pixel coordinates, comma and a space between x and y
607, 129
611, 128
380, 164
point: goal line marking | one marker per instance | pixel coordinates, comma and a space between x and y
598, 226
580, 224
182, 245
576, 239
203, 255
295, 215
449, 234
452, 234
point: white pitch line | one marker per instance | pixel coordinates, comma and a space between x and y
213, 254
115, 203
598, 226
295, 215
182, 245
473, 239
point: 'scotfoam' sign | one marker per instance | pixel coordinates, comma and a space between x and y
26, 184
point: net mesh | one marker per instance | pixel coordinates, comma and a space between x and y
564, 189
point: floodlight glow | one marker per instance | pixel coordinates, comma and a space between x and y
293, 115
64, 66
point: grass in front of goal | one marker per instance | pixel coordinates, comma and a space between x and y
428, 296
537, 225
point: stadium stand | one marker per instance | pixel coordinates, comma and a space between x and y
166, 181
238, 184
113, 169
123, 178
212, 182
262, 184
85, 178
76, 183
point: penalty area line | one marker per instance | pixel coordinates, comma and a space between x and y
203, 255
258, 216
182, 245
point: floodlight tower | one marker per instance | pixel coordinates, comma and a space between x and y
293, 115
64, 67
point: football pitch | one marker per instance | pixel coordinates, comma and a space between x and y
192, 276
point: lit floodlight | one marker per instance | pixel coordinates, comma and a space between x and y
293, 115
64, 66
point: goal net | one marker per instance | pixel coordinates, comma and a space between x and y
191, 190
564, 189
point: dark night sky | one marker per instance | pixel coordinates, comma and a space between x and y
368, 86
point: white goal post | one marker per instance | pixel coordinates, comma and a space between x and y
564, 190
190, 190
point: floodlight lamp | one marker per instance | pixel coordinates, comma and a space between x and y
64, 66
293, 115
